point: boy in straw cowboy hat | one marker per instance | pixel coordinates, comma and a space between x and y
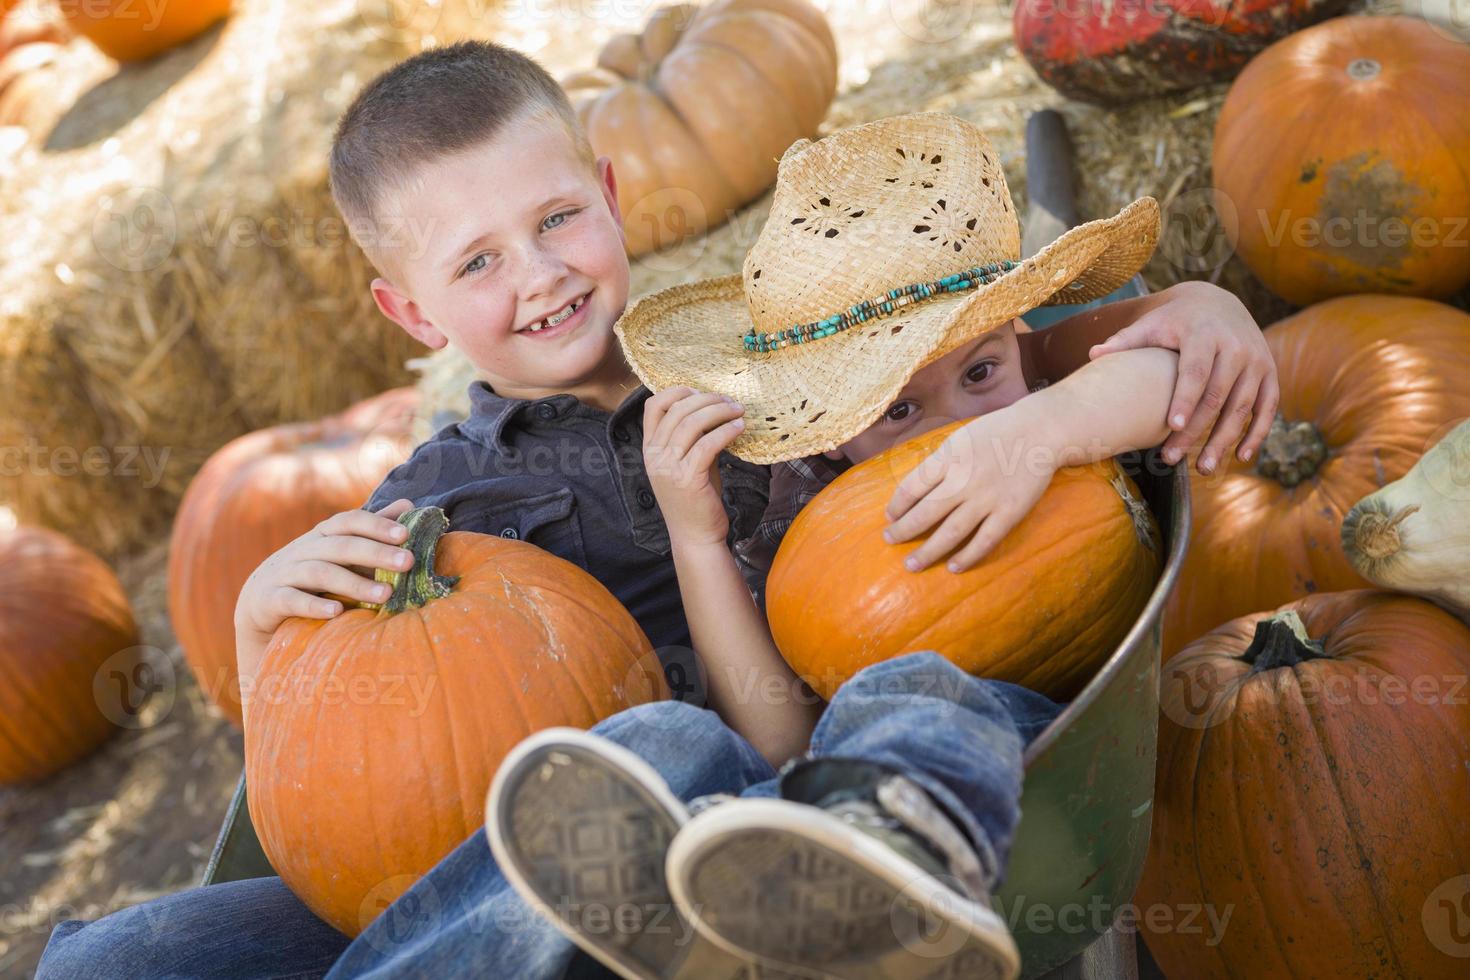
879, 302
517, 260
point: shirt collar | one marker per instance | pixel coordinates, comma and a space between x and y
491, 414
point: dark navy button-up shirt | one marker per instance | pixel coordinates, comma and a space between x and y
569, 477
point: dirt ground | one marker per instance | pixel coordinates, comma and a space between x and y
139, 818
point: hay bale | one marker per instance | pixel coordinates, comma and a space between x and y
172, 270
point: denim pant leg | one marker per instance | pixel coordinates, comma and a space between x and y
238, 930
464, 919
957, 736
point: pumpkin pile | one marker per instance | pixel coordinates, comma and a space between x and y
371, 738
256, 495
1311, 788
697, 109
1373, 195
1044, 609
1368, 383
67, 636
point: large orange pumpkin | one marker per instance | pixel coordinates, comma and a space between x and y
257, 494
65, 626
1368, 383
1043, 610
1342, 159
130, 30
371, 738
696, 110
1312, 785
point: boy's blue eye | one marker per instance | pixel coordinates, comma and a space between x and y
475, 264
560, 219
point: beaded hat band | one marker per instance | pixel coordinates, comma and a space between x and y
892, 243
871, 309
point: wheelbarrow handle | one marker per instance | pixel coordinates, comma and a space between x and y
1051, 188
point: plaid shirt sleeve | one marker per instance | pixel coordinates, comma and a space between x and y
793, 484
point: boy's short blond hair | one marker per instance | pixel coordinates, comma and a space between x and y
437, 103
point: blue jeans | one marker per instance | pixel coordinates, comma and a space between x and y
957, 736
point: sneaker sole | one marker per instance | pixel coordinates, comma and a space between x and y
580, 827
799, 889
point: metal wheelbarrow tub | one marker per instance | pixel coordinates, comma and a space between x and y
1087, 804
1086, 807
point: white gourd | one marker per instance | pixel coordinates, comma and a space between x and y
1414, 534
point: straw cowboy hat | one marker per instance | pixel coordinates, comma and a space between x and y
888, 245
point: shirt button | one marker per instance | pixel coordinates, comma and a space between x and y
622, 435
509, 532
645, 499
547, 412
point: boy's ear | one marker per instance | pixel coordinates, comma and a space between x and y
403, 311
609, 182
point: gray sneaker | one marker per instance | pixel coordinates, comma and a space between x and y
875, 885
580, 827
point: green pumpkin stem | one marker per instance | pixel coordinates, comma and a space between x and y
1282, 641
1292, 452
420, 584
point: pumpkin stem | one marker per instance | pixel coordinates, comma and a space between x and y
420, 584
1281, 641
1292, 452
1376, 535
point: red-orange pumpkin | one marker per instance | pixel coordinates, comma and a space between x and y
1340, 161
1312, 785
696, 110
1368, 383
1043, 610
129, 30
371, 738
64, 626
257, 494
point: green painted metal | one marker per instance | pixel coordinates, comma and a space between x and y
1088, 800
1089, 779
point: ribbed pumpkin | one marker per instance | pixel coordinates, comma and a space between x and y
1367, 384
1112, 53
1312, 784
131, 30
697, 109
371, 738
63, 617
257, 494
1043, 610
1372, 195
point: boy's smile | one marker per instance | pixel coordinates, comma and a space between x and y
524, 269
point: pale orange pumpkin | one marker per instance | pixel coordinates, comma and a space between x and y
1368, 383
254, 496
697, 109
1312, 784
371, 738
129, 30
1340, 161
64, 622
1042, 610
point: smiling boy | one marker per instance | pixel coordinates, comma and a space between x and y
478, 145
